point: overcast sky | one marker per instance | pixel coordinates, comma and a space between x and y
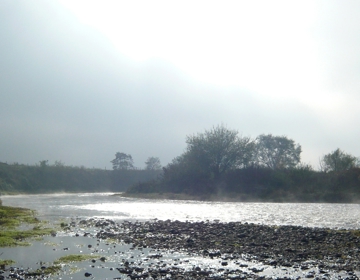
82, 80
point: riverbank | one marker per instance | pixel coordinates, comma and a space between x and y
311, 251
222, 247
190, 250
231, 197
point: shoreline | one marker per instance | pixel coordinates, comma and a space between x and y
240, 250
221, 198
171, 249
159, 249
281, 243
230, 197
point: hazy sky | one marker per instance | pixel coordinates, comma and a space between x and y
82, 80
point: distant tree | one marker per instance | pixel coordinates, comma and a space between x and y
43, 163
59, 163
153, 163
338, 161
277, 152
122, 161
218, 150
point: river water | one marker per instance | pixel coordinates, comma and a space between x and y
106, 205
62, 207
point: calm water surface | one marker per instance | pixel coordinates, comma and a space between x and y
58, 206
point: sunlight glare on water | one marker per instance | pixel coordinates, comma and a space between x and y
107, 205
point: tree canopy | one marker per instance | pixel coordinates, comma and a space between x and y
122, 161
277, 152
219, 150
338, 161
153, 163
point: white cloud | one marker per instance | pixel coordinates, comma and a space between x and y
138, 76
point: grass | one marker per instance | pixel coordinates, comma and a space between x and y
12, 235
75, 258
13, 217
11, 238
50, 270
5, 262
56, 268
356, 232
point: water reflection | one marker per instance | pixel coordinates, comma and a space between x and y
56, 206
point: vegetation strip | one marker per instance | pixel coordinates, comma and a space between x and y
4, 263
11, 218
75, 258
10, 236
219, 164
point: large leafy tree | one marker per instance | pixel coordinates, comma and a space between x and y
277, 152
153, 163
338, 161
122, 161
218, 150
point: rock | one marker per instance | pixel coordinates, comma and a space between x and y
289, 246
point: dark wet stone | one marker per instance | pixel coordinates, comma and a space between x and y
156, 256
257, 270
289, 246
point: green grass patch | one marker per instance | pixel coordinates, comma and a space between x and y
56, 268
8, 241
11, 218
10, 238
51, 270
63, 225
75, 258
356, 232
3, 263
52, 244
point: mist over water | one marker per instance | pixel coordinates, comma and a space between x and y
58, 206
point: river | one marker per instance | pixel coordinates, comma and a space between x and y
107, 205
66, 207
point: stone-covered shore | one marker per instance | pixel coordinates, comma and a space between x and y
206, 250
315, 252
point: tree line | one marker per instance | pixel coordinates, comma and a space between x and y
57, 177
217, 162
220, 162
124, 161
